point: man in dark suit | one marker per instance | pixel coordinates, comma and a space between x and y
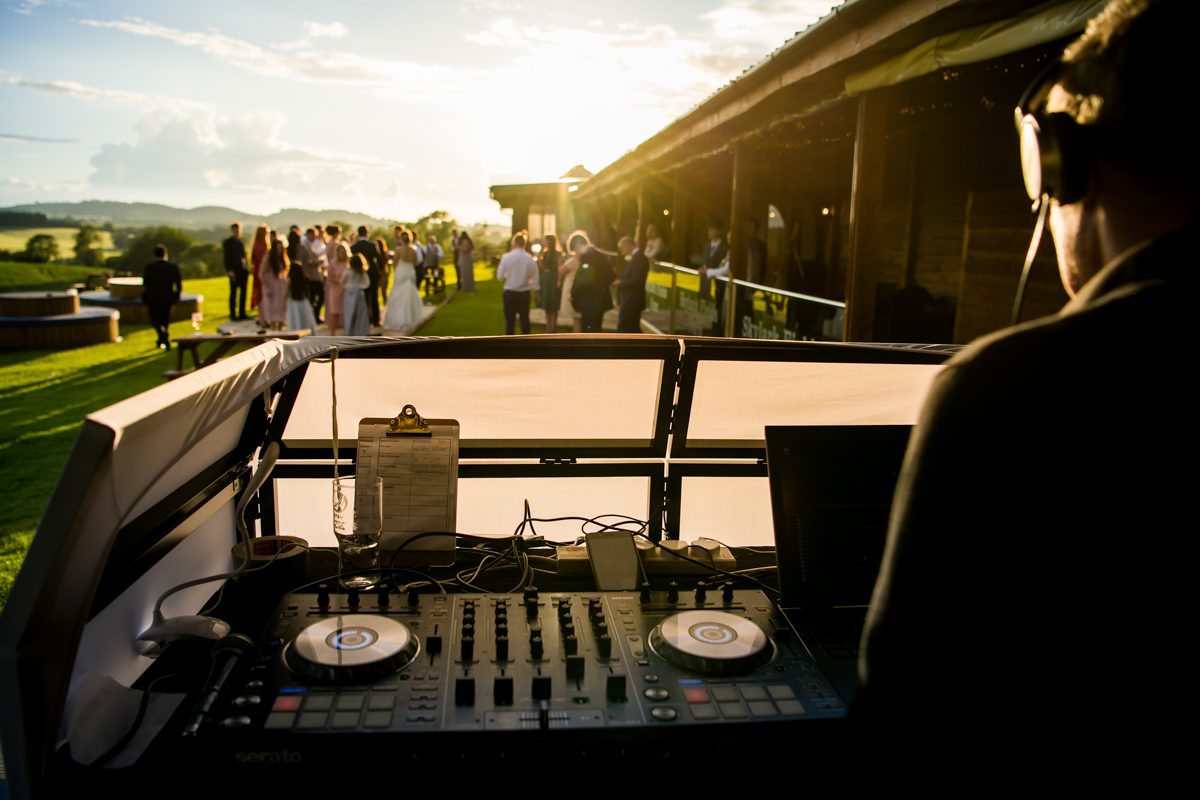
631, 289
370, 252
590, 293
161, 285
235, 267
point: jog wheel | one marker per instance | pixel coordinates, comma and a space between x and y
714, 642
351, 649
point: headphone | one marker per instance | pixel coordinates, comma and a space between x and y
1053, 155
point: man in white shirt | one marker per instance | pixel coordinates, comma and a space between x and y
518, 270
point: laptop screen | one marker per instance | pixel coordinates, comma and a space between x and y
831, 495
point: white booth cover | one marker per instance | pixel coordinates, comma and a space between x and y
136, 453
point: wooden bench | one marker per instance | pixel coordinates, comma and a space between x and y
224, 343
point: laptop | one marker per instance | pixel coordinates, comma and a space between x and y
831, 497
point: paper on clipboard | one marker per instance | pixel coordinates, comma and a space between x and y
420, 486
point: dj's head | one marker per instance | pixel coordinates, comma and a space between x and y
1103, 134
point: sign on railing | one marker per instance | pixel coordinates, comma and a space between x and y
680, 301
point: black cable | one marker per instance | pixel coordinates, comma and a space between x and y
143, 706
1027, 267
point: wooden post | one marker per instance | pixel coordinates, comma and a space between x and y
520, 219
638, 235
680, 213
912, 220
866, 200
959, 333
599, 229
739, 216
620, 215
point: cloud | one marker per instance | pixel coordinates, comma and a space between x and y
298, 60
81, 91
29, 7
331, 30
295, 60
494, 5
202, 151
25, 185
769, 23
17, 137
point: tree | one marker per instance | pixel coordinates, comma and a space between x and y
86, 240
202, 260
41, 248
141, 247
439, 223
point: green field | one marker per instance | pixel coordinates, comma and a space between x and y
46, 394
14, 239
17, 277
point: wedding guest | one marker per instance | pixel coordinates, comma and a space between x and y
656, 247
275, 287
300, 314
465, 263
550, 282
358, 319
631, 290
590, 292
258, 258
339, 264
312, 253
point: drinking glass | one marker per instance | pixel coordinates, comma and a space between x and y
357, 523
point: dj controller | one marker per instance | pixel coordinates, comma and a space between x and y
426, 669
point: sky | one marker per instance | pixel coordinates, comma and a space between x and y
390, 108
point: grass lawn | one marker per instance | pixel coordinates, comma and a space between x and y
478, 314
14, 239
46, 393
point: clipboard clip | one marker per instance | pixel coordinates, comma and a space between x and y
408, 423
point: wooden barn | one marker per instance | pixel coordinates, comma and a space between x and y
877, 154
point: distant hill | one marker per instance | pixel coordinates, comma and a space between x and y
143, 214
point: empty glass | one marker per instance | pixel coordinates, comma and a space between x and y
357, 523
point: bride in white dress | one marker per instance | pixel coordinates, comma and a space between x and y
404, 301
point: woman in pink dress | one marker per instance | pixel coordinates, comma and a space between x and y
274, 279
339, 263
258, 259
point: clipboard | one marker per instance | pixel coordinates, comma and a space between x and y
417, 459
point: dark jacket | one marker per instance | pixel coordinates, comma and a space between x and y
1039, 520
713, 260
632, 286
235, 255
161, 283
590, 290
369, 251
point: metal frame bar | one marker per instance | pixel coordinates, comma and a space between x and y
652, 471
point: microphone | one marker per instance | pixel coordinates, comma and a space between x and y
227, 654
